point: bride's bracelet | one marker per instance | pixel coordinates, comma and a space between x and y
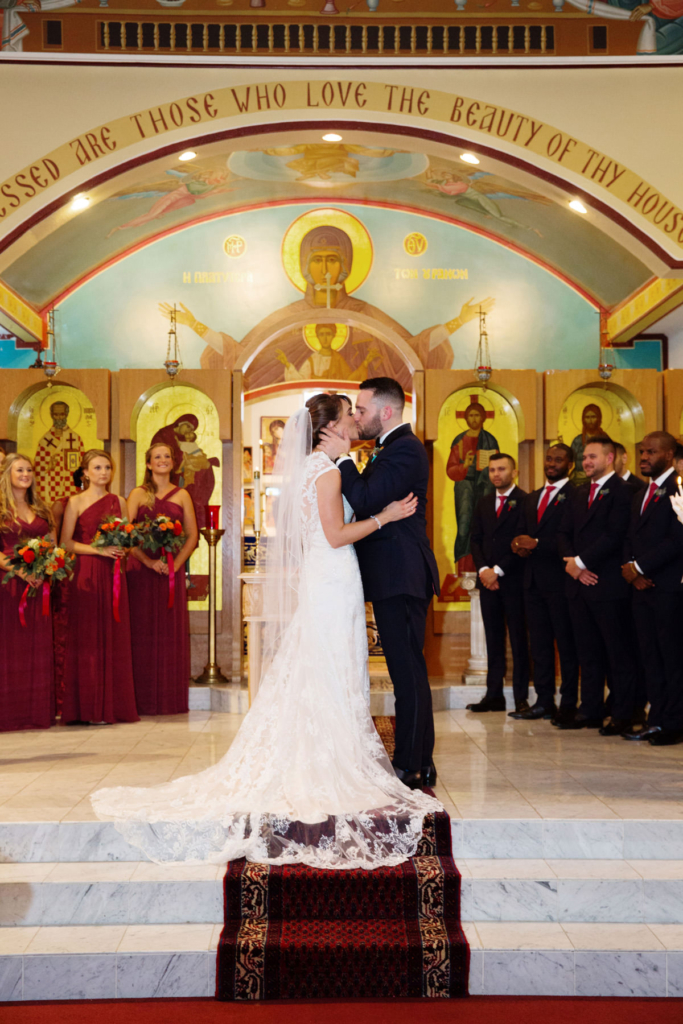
379, 525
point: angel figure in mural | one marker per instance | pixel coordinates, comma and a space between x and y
326, 362
321, 160
326, 265
661, 21
478, 190
178, 190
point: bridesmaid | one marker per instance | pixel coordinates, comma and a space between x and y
161, 635
98, 676
26, 667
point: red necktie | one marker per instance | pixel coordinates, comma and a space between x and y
650, 491
502, 498
591, 496
544, 501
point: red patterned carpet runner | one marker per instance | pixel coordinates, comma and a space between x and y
294, 932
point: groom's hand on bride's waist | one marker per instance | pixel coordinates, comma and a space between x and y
335, 443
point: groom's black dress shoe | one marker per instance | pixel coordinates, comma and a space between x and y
497, 704
429, 775
581, 722
413, 780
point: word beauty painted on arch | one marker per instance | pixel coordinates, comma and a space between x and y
492, 121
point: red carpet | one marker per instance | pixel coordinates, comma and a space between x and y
294, 932
475, 1010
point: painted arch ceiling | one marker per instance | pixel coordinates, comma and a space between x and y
165, 195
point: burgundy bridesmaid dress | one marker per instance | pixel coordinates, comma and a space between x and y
161, 635
98, 675
26, 659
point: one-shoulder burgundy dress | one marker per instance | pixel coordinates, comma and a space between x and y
98, 675
160, 635
26, 657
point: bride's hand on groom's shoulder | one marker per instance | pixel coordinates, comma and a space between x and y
399, 509
335, 443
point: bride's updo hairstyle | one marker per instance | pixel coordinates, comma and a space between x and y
324, 409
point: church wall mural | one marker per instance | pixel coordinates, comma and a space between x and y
474, 422
186, 420
55, 425
234, 278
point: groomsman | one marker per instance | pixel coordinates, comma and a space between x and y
498, 518
621, 468
545, 599
654, 549
591, 539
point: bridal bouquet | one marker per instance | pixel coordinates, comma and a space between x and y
167, 536
117, 532
45, 563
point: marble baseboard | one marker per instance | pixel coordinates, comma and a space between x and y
107, 976
475, 838
535, 972
541, 898
109, 903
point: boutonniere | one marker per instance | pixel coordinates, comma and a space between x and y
659, 492
603, 490
376, 453
512, 504
559, 498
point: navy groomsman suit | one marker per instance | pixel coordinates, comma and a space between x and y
634, 483
400, 577
655, 544
490, 543
595, 533
545, 598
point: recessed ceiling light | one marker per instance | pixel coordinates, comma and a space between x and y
187, 155
80, 202
578, 206
332, 137
469, 158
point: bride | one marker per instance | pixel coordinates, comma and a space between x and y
307, 779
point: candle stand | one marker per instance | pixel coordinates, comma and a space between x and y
212, 673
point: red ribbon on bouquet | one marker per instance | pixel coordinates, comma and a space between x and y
117, 589
46, 598
22, 605
171, 579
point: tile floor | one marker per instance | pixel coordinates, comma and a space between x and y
489, 767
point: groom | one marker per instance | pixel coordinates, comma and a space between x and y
397, 565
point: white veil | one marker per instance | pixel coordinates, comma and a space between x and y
285, 548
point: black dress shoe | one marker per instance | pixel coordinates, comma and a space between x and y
580, 721
413, 780
497, 704
566, 714
520, 707
643, 735
616, 727
666, 738
429, 775
537, 711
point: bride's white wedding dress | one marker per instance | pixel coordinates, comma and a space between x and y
307, 778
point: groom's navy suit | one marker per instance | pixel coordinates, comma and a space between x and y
400, 577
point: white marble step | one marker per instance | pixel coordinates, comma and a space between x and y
130, 893
178, 961
234, 699
519, 838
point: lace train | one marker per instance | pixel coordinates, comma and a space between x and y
306, 779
